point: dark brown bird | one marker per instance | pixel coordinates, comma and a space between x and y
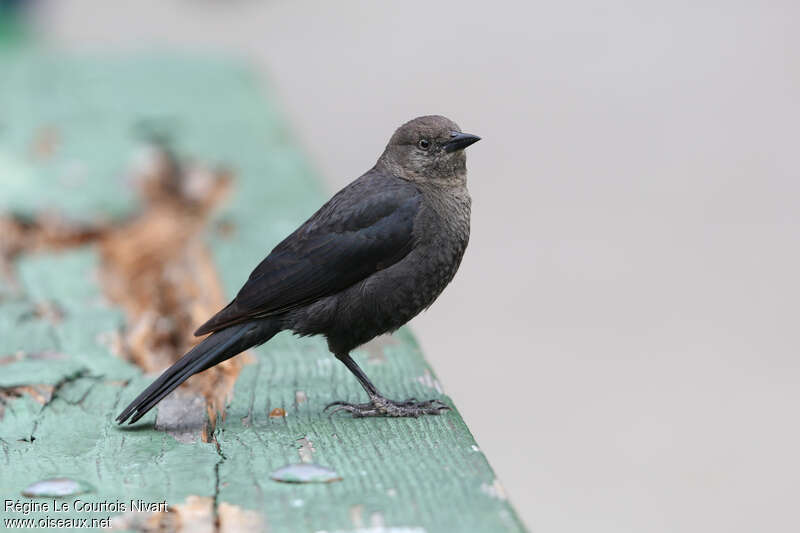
370, 259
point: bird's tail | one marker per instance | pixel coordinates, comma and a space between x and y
214, 349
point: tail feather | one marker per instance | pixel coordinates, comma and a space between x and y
219, 347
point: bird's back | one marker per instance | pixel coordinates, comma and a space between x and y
365, 227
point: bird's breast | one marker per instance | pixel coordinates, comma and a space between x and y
390, 297
441, 237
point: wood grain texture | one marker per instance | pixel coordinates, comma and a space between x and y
69, 129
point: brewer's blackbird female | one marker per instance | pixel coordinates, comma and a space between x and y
374, 256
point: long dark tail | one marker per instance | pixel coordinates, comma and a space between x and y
219, 347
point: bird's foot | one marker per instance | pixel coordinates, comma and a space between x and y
380, 406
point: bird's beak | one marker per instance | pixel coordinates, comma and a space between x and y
459, 141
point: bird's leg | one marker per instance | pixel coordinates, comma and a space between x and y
378, 404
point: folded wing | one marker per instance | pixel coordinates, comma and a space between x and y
366, 227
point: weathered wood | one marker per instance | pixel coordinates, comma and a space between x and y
68, 128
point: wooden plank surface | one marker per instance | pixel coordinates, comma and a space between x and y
69, 129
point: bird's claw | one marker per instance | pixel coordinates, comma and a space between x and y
379, 406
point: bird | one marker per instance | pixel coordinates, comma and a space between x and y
379, 252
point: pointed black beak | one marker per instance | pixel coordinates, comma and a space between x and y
459, 141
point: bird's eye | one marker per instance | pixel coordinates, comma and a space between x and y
424, 144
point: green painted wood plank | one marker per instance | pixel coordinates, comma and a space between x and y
412, 475
13, 32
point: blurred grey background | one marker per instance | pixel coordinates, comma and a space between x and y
622, 336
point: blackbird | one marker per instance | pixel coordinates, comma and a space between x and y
374, 256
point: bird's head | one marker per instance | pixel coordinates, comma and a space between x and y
428, 149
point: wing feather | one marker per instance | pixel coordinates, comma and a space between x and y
364, 228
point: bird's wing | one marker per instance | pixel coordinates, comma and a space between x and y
364, 228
